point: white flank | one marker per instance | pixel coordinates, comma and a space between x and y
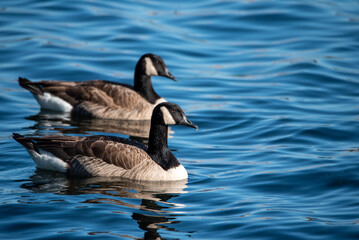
150, 68
46, 160
167, 117
177, 173
53, 103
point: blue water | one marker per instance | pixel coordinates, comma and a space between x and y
273, 86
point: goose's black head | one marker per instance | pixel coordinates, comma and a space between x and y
171, 114
153, 65
163, 115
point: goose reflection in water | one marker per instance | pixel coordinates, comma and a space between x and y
64, 123
155, 211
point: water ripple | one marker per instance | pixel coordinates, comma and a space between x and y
273, 86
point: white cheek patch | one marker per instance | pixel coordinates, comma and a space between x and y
150, 68
167, 117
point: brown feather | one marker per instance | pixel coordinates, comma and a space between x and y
122, 153
100, 99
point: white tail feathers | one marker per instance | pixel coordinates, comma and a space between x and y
53, 103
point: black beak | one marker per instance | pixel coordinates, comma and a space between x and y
188, 123
169, 75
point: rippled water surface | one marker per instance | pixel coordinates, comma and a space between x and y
273, 86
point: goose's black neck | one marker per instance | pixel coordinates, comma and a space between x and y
158, 148
143, 85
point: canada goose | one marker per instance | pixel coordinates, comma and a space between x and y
110, 156
101, 98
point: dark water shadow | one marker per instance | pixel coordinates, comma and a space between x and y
154, 212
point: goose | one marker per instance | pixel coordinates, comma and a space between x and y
101, 98
110, 156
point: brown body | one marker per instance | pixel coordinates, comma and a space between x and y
103, 156
99, 99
